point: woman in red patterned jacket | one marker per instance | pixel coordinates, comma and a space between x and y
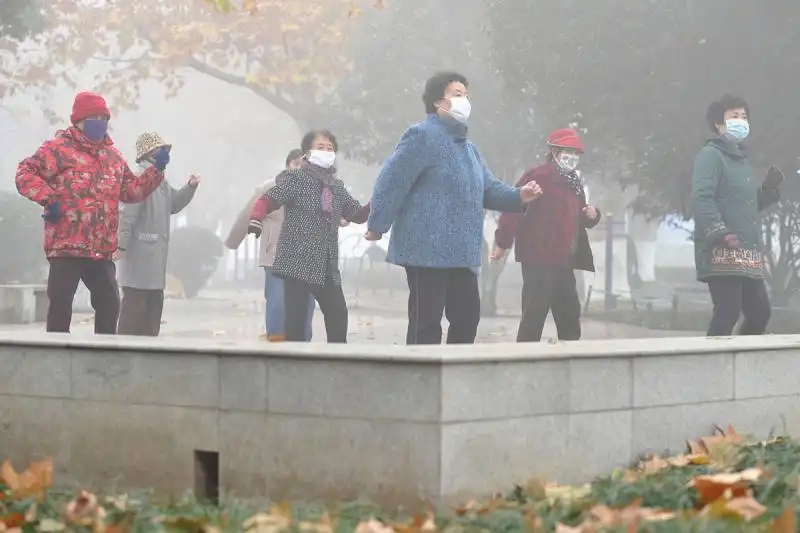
79, 178
551, 241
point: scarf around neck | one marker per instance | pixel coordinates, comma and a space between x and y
574, 180
326, 177
456, 129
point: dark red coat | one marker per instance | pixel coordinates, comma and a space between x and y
552, 230
88, 180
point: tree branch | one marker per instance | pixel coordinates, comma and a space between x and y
241, 81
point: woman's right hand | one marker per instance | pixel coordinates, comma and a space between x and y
254, 229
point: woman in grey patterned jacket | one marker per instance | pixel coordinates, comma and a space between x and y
144, 244
315, 201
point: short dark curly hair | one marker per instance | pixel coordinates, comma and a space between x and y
437, 85
715, 115
297, 153
308, 139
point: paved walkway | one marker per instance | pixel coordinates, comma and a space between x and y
377, 318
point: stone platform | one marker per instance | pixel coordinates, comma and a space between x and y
400, 424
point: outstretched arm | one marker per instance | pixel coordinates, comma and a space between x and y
282, 193
137, 189
397, 177
353, 211
180, 198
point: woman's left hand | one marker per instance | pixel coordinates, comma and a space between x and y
194, 180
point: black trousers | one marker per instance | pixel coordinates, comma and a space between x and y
331, 302
436, 291
734, 296
141, 312
100, 277
546, 289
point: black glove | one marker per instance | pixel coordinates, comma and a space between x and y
774, 179
254, 228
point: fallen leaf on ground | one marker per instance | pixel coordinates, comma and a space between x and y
31, 482
278, 519
707, 445
734, 485
48, 525
603, 516
85, 511
373, 526
748, 508
786, 522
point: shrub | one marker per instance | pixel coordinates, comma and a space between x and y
193, 257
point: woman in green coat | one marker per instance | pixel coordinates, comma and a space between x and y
727, 200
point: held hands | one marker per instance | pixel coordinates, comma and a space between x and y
774, 178
590, 212
530, 192
161, 158
497, 253
194, 180
372, 236
52, 212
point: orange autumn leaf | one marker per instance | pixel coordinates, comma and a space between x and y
735, 485
31, 482
786, 522
14, 520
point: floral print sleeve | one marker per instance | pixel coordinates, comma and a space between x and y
35, 174
137, 189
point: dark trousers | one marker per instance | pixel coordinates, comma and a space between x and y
546, 289
331, 302
734, 296
141, 312
100, 277
434, 291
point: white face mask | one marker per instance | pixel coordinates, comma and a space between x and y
460, 108
321, 158
567, 161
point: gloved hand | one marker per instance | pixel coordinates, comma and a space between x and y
731, 241
161, 158
774, 178
254, 228
52, 212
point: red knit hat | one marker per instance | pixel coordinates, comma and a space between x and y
565, 138
88, 105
